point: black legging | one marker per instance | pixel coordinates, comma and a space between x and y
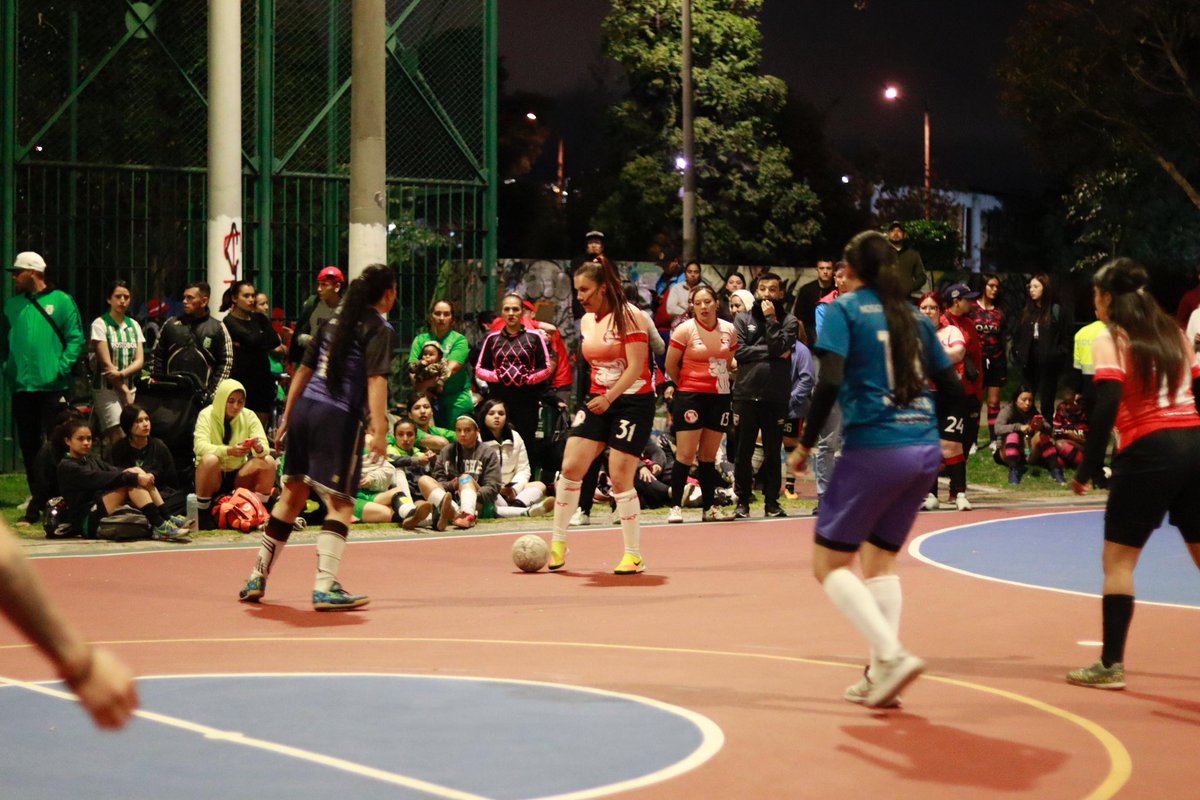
1042, 380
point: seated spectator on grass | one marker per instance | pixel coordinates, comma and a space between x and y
519, 496
231, 450
429, 435
43, 475
140, 449
1070, 428
94, 489
1025, 438
384, 494
467, 470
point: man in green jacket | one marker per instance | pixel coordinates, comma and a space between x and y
908, 260
41, 338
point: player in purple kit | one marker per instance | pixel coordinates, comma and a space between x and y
876, 358
340, 387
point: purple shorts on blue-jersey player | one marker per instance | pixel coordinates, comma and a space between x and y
874, 496
324, 448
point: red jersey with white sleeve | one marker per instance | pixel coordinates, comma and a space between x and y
1145, 410
706, 355
950, 336
605, 351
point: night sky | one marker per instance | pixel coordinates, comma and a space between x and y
943, 52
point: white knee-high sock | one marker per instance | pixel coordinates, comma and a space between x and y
436, 496
629, 509
530, 495
855, 602
566, 500
886, 591
468, 498
330, 547
504, 511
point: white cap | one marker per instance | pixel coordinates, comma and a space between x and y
28, 260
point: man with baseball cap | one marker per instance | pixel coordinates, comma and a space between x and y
959, 299
41, 338
331, 284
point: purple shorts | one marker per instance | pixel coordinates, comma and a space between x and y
874, 496
324, 448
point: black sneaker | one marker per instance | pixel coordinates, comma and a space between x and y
774, 511
741, 512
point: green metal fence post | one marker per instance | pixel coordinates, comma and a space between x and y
491, 114
265, 191
72, 147
331, 190
8, 133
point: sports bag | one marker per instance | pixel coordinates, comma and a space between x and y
240, 511
124, 526
54, 520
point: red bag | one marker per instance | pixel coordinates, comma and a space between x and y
241, 511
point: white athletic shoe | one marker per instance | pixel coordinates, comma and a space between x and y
891, 678
962, 502
974, 450
541, 507
857, 693
931, 502
579, 518
675, 514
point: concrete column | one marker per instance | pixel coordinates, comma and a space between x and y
368, 151
225, 227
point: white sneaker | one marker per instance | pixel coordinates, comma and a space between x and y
857, 693
974, 450
994, 445
25, 505
962, 502
931, 502
579, 518
675, 514
891, 678
544, 506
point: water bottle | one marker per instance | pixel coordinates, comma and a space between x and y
193, 512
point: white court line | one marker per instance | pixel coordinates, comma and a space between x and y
712, 737
914, 549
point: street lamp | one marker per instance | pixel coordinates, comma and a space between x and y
891, 94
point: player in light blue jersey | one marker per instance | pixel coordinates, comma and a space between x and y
877, 358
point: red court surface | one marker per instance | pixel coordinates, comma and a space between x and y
727, 623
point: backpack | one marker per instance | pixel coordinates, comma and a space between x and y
124, 525
240, 511
54, 520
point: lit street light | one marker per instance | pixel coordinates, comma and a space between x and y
532, 117
891, 94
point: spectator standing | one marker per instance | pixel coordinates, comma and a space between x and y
317, 309
118, 343
829, 438
908, 260
156, 315
951, 412
804, 308
765, 337
990, 326
734, 282
1085, 362
195, 343
456, 391
1190, 300
678, 298
41, 339
1040, 343
803, 378
515, 363
253, 339
958, 300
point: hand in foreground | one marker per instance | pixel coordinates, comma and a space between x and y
106, 690
798, 460
1079, 488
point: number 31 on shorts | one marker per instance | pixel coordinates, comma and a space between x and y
625, 430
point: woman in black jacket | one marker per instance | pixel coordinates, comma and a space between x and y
1040, 343
140, 449
94, 489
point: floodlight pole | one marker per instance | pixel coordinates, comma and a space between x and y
368, 151
689, 142
928, 167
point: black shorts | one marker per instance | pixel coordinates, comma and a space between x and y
952, 421
625, 426
691, 411
793, 427
1155, 476
324, 448
995, 371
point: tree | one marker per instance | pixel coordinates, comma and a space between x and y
750, 207
1101, 80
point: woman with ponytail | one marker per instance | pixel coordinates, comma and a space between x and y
1147, 382
619, 411
877, 356
339, 389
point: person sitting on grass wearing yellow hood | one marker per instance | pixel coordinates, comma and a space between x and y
231, 451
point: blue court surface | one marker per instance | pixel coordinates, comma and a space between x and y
360, 736
1062, 551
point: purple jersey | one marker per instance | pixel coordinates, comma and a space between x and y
370, 354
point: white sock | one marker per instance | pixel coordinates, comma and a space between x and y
330, 547
436, 496
530, 495
263, 498
886, 591
468, 498
856, 603
505, 511
406, 506
266, 557
629, 509
566, 500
